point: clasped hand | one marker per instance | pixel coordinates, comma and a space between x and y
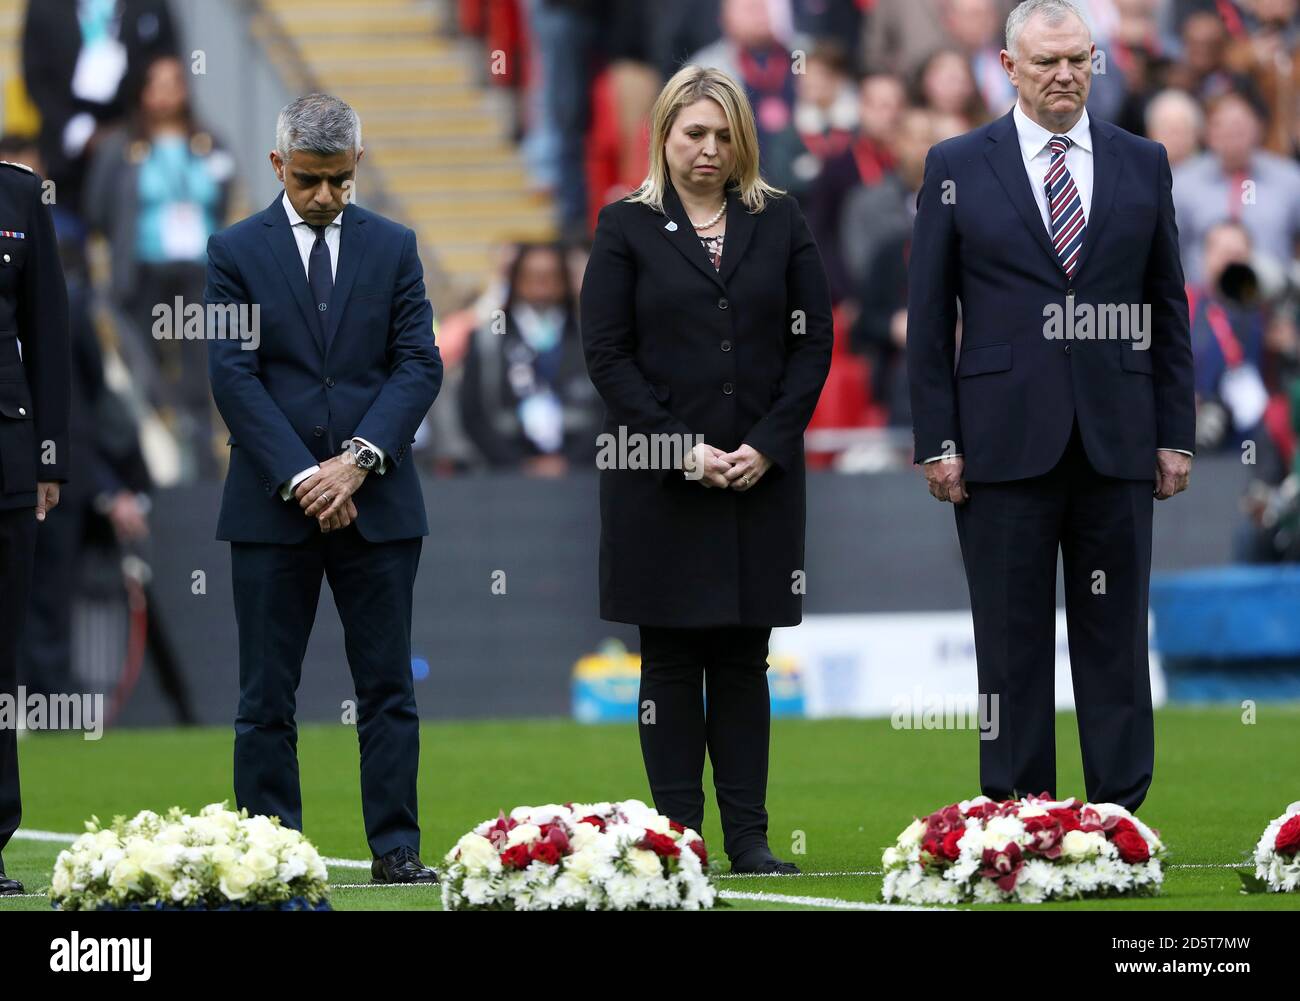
326, 495
739, 470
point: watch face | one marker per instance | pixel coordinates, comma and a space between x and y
366, 458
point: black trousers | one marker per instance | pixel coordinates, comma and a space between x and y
277, 589
678, 667
17, 561
1010, 534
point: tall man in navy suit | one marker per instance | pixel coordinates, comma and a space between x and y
1069, 408
323, 363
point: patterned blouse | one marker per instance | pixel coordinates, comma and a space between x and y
713, 247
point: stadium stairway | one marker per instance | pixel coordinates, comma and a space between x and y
434, 133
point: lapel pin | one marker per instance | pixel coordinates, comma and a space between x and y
671, 227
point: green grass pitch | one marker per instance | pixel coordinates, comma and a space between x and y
843, 789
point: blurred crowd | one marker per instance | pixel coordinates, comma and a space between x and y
848, 94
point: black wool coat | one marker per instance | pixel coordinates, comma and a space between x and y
736, 356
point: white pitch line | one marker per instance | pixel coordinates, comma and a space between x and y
26, 835
794, 875
833, 903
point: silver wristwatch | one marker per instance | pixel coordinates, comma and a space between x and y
363, 455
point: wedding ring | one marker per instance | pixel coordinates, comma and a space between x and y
744, 481
325, 498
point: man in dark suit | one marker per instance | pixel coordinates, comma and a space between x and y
323, 394
1052, 430
35, 374
81, 59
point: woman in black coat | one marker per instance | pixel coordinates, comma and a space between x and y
706, 321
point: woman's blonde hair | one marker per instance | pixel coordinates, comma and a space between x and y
688, 85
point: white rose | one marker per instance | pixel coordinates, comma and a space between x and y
583, 835
912, 834
160, 862
524, 834
475, 853
126, 875
236, 881
261, 862
644, 862
1079, 845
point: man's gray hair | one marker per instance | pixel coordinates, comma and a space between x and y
1055, 11
317, 123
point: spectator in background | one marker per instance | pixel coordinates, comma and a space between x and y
825, 111
1135, 62
880, 328
1203, 71
1268, 57
900, 34
157, 189
563, 33
866, 163
1236, 180
1174, 120
525, 399
944, 85
976, 29
1227, 343
81, 60
752, 50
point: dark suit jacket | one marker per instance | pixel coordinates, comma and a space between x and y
374, 372
34, 391
674, 347
1010, 406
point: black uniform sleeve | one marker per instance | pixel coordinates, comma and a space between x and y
43, 332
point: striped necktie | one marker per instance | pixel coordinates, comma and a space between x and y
1064, 206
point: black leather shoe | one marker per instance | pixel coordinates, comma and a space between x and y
761, 861
9, 887
401, 865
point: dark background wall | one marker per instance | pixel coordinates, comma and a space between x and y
876, 543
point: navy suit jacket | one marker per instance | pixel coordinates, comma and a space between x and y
1010, 401
372, 370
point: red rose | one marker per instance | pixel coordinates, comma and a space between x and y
544, 851
515, 857
1288, 838
1132, 846
950, 850
660, 844
594, 821
557, 836
679, 828
1068, 819
697, 846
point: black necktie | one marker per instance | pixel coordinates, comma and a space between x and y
320, 276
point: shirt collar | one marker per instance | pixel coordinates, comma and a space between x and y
296, 220
1033, 137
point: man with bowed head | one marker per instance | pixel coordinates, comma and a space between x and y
322, 411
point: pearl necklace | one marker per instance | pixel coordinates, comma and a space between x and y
716, 217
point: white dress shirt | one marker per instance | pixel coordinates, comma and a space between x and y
305, 236
1038, 157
